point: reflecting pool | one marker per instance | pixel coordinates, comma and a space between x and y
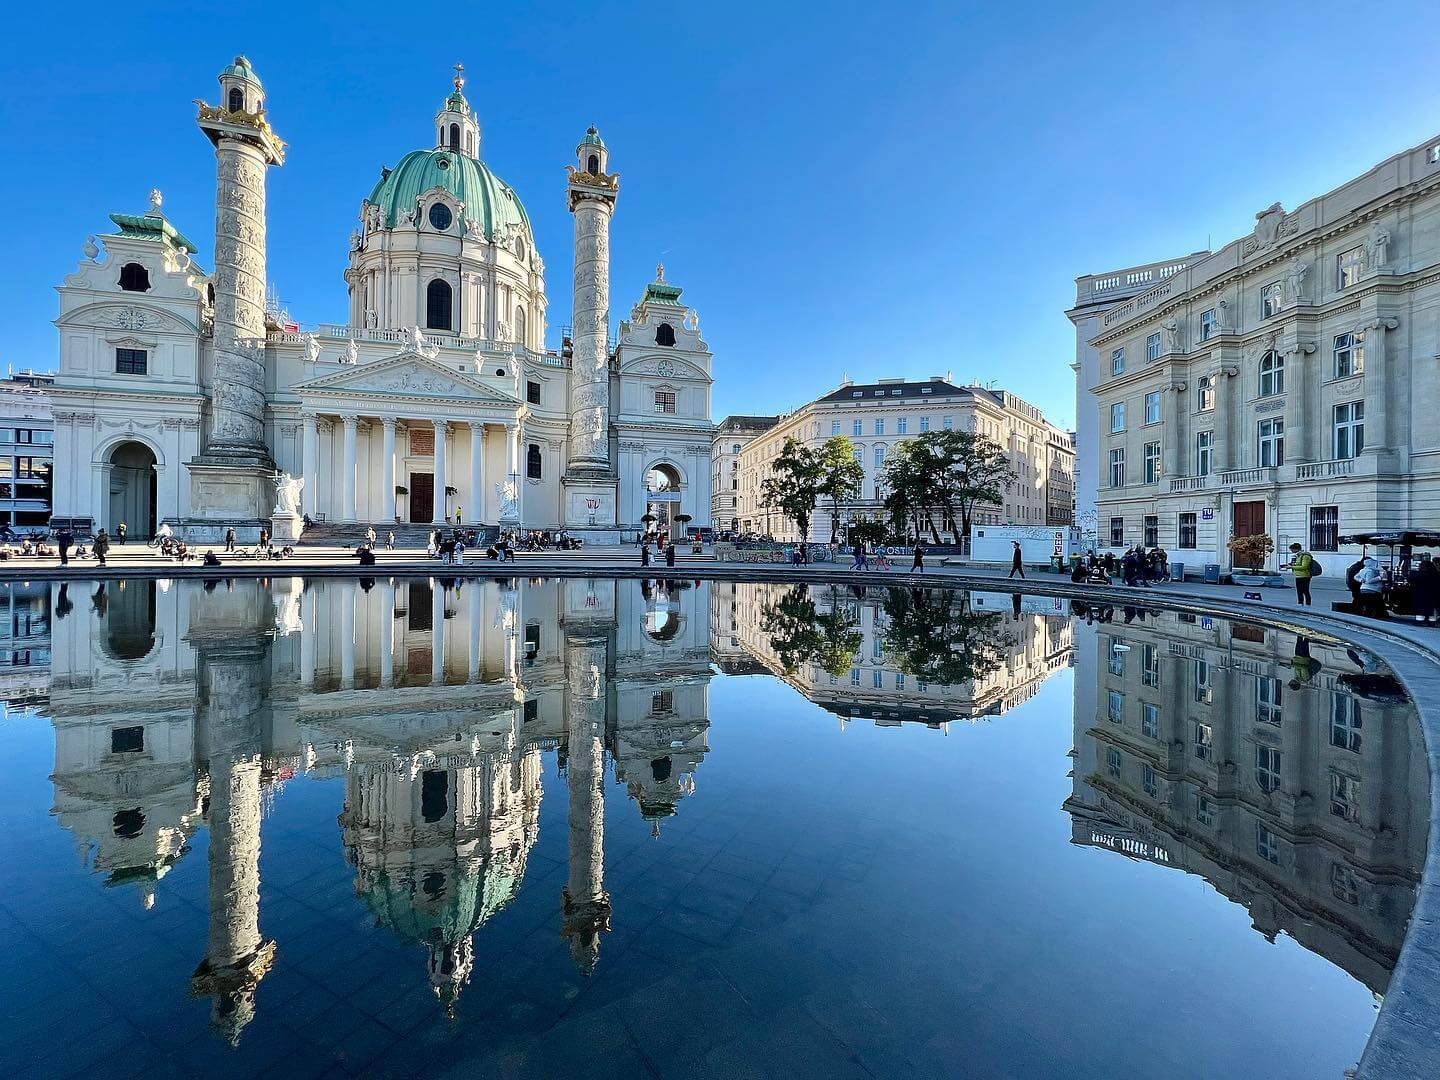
421, 827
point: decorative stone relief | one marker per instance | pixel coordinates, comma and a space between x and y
665, 368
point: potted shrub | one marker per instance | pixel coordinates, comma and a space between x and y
1251, 552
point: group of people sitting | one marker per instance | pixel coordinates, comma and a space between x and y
27, 547
1136, 566
545, 540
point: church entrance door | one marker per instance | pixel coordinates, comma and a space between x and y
132, 491
422, 498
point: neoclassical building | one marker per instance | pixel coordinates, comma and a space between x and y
182, 394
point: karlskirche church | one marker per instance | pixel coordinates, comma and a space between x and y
182, 397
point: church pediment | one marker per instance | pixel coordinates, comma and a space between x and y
407, 374
664, 366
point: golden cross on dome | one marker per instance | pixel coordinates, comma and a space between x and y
459, 77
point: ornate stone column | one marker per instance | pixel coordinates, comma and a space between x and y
477, 472
387, 469
442, 436
1378, 376
347, 477
310, 463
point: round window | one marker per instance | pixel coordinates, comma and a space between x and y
440, 216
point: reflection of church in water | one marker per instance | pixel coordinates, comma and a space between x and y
1262, 763
177, 708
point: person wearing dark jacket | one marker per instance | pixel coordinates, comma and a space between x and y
918, 563
1017, 565
1352, 581
63, 540
670, 553
1425, 586
101, 546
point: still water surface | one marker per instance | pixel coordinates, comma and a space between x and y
598, 828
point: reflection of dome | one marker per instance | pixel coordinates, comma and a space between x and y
485, 197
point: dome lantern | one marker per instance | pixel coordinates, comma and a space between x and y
456, 128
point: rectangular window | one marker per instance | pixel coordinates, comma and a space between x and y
1147, 780
1150, 720
131, 361
1270, 297
1150, 532
1269, 700
30, 468
1152, 464
1117, 467
1204, 810
1204, 452
948, 423
879, 427
1117, 361
1207, 324
665, 401
1152, 347
899, 680
854, 676
1271, 440
1204, 740
1187, 532
1115, 707
857, 427
1152, 407
1267, 844
1112, 761
924, 423
1349, 354
901, 425
127, 740
1117, 417
859, 456
1344, 796
1345, 723
1205, 393
1349, 429
1324, 528
1348, 266
1117, 532
662, 701
834, 427
1116, 663
879, 457
1149, 665
532, 393
877, 680
1267, 767
1203, 689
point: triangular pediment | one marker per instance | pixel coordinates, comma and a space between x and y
408, 374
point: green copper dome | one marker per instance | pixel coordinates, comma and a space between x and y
241, 69
486, 198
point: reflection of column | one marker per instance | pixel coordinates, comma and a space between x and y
475, 594
387, 635
387, 470
236, 956
308, 637
586, 904
442, 434
347, 477
348, 593
310, 464
477, 472
437, 632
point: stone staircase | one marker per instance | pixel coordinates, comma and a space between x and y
338, 534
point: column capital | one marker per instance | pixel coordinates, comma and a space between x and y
1384, 322
389, 422
442, 427
350, 420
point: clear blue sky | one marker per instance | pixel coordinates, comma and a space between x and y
879, 189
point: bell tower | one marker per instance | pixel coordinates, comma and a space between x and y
590, 483
455, 125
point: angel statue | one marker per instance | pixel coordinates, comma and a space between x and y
352, 353
312, 349
287, 493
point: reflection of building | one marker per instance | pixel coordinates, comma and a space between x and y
1213, 747
25, 642
177, 706
27, 437
877, 416
876, 686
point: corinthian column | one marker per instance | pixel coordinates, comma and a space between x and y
387, 469
442, 435
347, 479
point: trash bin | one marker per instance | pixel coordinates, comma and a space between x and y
1212, 573
1177, 571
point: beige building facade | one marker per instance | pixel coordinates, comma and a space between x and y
876, 417
731, 436
1281, 384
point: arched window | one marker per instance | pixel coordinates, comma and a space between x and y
519, 324
437, 305
534, 468
1272, 374
593, 165
134, 278
237, 99
434, 795
454, 136
665, 334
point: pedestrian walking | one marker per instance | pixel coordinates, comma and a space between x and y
860, 563
1017, 566
370, 535
265, 540
1304, 567
918, 562
645, 554
882, 558
120, 533
101, 546
390, 540
670, 553
63, 539
229, 540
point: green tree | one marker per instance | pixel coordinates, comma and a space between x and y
949, 473
868, 532
934, 635
793, 486
841, 476
802, 634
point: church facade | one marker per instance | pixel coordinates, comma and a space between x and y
183, 397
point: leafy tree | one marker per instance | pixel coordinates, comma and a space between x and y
801, 634
840, 477
868, 532
949, 472
793, 486
935, 636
